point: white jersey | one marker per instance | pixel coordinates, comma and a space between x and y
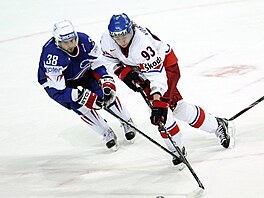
146, 51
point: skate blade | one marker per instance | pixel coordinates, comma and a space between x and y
114, 148
180, 166
131, 141
232, 134
199, 192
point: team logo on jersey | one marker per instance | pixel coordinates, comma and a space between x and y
85, 63
156, 65
106, 54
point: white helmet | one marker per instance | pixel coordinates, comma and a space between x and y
64, 31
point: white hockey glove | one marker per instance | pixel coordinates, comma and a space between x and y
109, 90
89, 99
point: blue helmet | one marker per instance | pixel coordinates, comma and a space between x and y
119, 25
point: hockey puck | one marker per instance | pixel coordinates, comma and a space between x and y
159, 196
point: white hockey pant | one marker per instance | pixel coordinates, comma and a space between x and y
195, 116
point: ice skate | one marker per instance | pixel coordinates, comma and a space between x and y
232, 133
111, 140
222, 132
130, 132
178, 161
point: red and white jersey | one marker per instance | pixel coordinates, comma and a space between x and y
145, 51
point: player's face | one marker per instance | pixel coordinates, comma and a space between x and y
68, 45
123, 41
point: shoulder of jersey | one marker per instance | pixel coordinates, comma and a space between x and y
140, 40
50, 49
107, 43
82, 36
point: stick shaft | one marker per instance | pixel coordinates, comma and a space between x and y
174, 143
246, 109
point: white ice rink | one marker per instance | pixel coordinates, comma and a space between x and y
46, 151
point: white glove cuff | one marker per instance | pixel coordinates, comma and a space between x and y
74, 95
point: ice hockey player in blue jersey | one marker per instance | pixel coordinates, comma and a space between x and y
72, 74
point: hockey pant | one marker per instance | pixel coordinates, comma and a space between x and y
194, 115
96, 122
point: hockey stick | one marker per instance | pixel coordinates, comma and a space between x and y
139, 131
162, 147
246, 109
185, 161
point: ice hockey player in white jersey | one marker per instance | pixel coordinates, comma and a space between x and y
142, 61
72, 75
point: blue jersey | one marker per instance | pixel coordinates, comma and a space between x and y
60, 73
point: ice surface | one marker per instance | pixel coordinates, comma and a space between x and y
47, 151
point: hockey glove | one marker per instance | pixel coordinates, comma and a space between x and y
159, 112
109, 90
89, 99
131, 78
